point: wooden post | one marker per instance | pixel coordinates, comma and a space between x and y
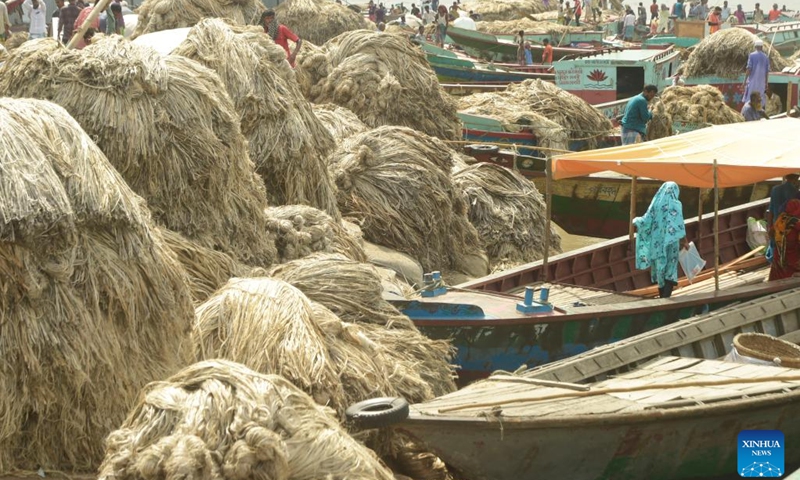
699, 216
548, 181
716, 228
99, 7
632, 213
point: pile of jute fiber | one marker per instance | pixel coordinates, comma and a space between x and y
15, 40
93, 305
220, 420
725, 53
507, 10
340, 122
300, 231
500, 27
319, 20
514, 105
158, 15
396, 183
508, 212
167, 125
701, 104
382, 78
660, 125
286, 141
273, 327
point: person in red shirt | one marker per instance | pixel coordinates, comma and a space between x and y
774, 14
281, 35
714, 20
547, 54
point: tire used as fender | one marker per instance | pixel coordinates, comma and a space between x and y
377, 412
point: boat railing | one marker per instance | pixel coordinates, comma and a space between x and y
591, 53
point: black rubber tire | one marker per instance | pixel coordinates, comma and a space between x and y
377, 412
480, 148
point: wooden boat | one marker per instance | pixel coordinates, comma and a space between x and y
670, 419
490, 47
449, 57
594, 304
610, 265
785, 84
456, 70
614, 75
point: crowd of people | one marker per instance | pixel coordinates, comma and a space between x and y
71, 15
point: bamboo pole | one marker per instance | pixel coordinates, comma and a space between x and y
548, 213
632, 213
716, 227
699, 216
99, 7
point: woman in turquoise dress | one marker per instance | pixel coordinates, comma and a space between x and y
660, 235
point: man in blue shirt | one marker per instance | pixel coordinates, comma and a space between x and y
634, 122
678, 10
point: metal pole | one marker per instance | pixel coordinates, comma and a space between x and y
632, 213
98, 8
716, 228
548, 198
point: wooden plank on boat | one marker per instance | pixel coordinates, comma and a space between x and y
676, 364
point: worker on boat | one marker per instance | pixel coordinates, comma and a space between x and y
679, 10
634, 121
442, 21
519, 39
661, 234
779, 197
547, 52
628, 26
714, 20
757, 70
663, 19
529, 53
773, 106
739, 14
786, 257
752, 111
281, 35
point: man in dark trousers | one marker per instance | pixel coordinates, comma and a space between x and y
634, 122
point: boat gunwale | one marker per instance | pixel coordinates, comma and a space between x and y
716, 408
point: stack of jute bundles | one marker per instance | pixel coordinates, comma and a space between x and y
507, 10
702, 104
93, 304
382, 78
319, 20
158, 15
725, 53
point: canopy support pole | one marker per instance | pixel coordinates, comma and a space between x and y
699, 216
548, 181
632, 213
716, 227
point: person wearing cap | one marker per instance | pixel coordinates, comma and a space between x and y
281, 35
757, 72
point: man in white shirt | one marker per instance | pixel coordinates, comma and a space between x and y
628, 25
37, 13
726, 11
428, 17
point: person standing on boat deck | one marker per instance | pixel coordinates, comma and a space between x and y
660, 234
786, 254
528, 54
654, 10
415, 11
281, 35
663, 19
774, 14
641, 19
739, 14
519, 39
547, 52
628, 25
757, 71
560, 18
726, 11
774, 105
714, 20
578, 12
442, 22
634, 122
428, 16
679, 10
567, 14
758, 14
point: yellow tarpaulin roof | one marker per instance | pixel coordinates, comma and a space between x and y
746, 153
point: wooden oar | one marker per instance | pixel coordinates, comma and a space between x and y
736, 264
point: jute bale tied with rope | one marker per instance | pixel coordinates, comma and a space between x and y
167, 125
158, 15
660, 125
538, 104
700, 104
507, 10
725, 53
93, 305
300, 231
512, 26
287, 142
508, 212
273, 327
396, 182
340, 122
219, 420
319, 20
15, 41
382, 78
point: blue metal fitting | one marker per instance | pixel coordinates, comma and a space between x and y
544, 294
527, 305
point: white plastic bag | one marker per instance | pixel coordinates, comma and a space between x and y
691, 262
736, 357
757, 235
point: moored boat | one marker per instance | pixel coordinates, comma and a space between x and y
490, 47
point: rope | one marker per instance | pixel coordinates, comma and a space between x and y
604, 391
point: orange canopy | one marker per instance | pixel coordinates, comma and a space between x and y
746, 153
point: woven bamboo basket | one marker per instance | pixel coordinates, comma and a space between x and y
768, 348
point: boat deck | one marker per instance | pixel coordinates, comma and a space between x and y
569, 297
662, 384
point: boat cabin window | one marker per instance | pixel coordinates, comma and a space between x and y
781, 90
630, 81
